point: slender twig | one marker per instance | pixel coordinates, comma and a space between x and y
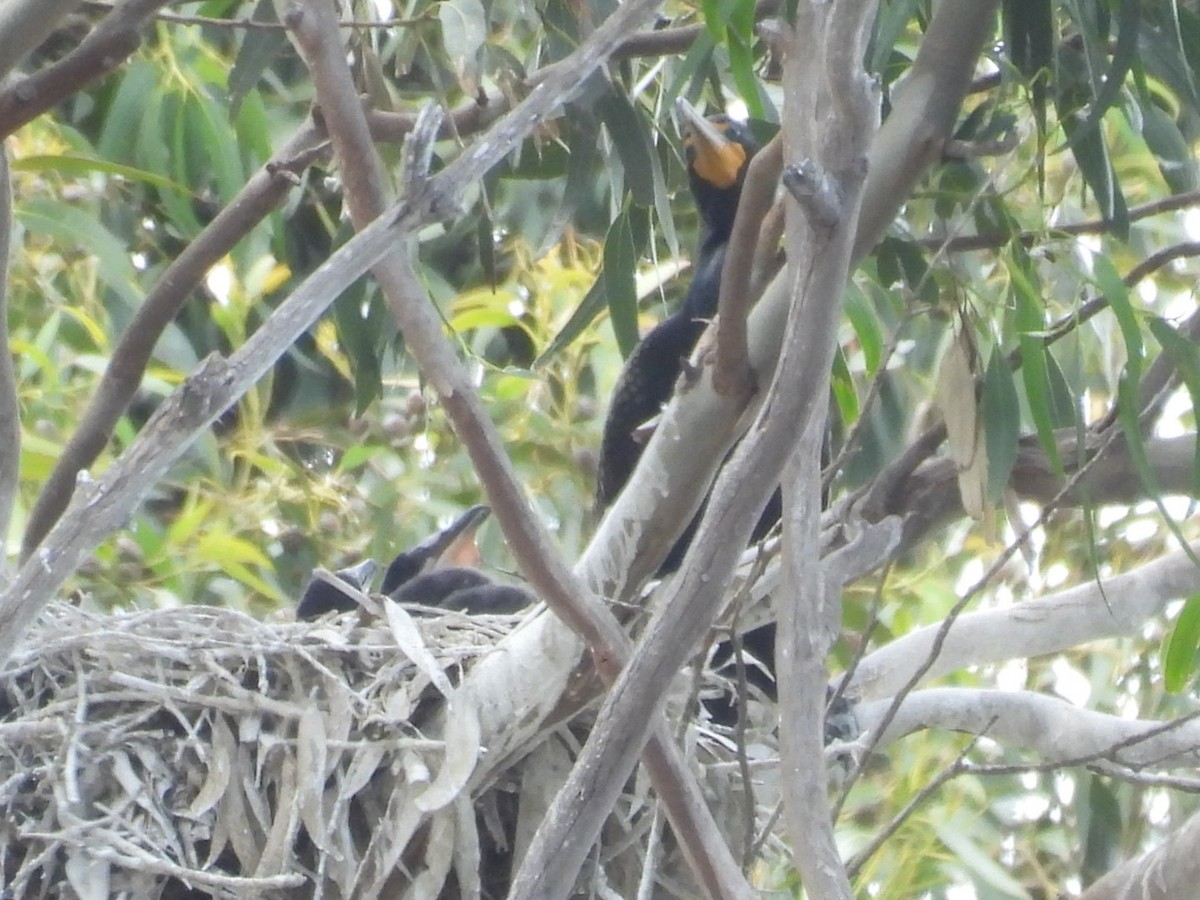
855, 863
993, 240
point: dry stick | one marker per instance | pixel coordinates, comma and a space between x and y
315, 30
102, 51
733, 375
10, 411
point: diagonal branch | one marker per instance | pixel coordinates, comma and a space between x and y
265, 192
101, 508
315, 30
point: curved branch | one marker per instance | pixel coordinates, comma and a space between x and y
1114, 606
1060, 733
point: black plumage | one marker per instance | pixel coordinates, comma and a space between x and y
717, 150
454, 544
322, 596
437, 572
464, 590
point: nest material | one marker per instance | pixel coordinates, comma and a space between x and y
142, 754
197, 752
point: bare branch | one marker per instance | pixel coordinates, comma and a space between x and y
315, 29
105, 505
263, 193
103, 50
1060, 733
733, 374
1113, 606
923, 112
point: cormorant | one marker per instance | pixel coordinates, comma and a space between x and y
717, 150
438, 572
322, 596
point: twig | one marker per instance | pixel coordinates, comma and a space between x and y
993, 240
855, 863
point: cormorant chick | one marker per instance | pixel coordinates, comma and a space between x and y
438, 572
322, 596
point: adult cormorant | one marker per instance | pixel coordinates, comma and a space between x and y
718, 150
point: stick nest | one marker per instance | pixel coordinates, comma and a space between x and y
198, 752
151, 753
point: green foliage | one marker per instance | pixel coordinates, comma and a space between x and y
341, 452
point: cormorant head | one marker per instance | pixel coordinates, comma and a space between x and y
454, 545
718, 149
322, 596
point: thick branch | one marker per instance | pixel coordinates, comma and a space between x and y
1115, 606
923, 113
692, 599
734, 375
1058, 732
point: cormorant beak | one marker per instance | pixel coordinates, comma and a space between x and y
712, 156
454, 545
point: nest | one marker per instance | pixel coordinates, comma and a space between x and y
198, 752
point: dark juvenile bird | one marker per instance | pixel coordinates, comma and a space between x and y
322, 596
717, 150
437, 572
440, 571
